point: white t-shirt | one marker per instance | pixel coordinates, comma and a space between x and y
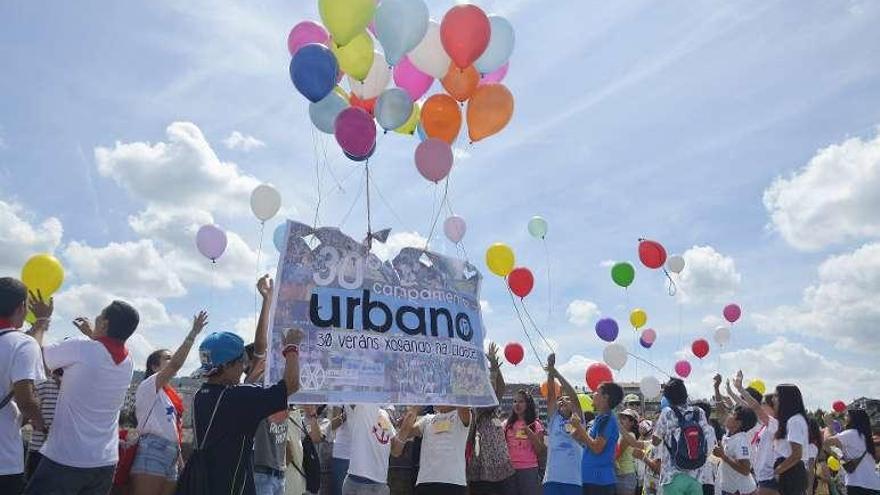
812, 452
371, 436
762, 446
342, 438
736, 447
796, 432
443, 441
865, 476
85, 432
162, 421
19, 360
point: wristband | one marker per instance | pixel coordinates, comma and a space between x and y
290, 348
43, 318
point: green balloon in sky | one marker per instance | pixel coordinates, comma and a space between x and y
623, 274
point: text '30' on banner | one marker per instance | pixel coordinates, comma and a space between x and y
404, 331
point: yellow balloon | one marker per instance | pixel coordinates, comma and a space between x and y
758, 385
43, 273
409, 127
346, 18
355, 58
341, 92
833, 463
500, 259
586, 402
638, 318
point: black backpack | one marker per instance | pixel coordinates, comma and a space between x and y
690, 449
311, 463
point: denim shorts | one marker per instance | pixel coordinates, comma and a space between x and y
156, 456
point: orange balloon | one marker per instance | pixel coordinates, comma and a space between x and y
461, 83
441, 117
489, 110
545, 388
368, 105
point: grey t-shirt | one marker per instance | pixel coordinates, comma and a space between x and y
270, 440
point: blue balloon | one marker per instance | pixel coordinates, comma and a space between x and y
278, 237
393, 108
500, 46
607, 329
400, 27
421, 132
360, 158
313, 71
324, 112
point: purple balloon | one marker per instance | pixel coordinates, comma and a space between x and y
649, 335
211, 241
645, 344
361, 158
304, 33
495, 76
410, 79
607, 329
355, 131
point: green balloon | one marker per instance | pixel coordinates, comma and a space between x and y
623, 274
538, 227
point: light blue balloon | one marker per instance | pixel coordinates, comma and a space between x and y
500, 47
400, 26
278, 237
393, 108
538, 227
324, 112
420, 131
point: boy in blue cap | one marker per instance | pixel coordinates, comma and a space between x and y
226, 413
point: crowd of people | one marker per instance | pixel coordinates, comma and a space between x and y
247, 439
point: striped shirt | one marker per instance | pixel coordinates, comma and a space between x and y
47, 392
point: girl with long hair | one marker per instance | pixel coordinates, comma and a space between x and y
790, 442
624, 464
525, 442
859, 452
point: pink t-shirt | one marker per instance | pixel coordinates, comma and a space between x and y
522, 455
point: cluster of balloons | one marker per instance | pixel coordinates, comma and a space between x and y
467, 51
43, 274
652, 254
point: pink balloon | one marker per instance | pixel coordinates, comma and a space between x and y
683, 368
495, 76
649, 335
434, 159
410, 79
732, 312
211, 241
454, 227
304, 33
355, 131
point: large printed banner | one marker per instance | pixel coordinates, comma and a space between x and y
403, 331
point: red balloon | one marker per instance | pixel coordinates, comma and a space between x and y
465, 33
368, 105
700, 348
597, 374
652, 253
521, 281
514, 353
839, 406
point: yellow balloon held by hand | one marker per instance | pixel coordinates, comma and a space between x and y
346, 18
500, 259
833, 463
638, 318
43, 273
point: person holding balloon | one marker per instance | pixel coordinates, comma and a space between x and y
597, 466
859, 452
762, 441
564, 455
525, 442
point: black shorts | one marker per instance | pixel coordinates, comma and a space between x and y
590, 489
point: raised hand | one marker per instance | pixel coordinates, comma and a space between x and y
84, 326
738, 380
39, 307
717, 380
492, 355
200, 321
265, 285
294, 336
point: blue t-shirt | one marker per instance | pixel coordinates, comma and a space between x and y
598, 469
563, 454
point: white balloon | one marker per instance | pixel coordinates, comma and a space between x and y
375, 82
455, 227
722, 335
429, 56
265, 202
675, 263
650, 387
500, 46
615, 356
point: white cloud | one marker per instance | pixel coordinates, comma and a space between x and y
485, 307
182, 172
833, 199
842, 306
607, 263
397, 241
713, 321
708, 276
242, 142
581, 312
129, 268
20, 237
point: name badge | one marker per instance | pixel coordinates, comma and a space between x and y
442, 426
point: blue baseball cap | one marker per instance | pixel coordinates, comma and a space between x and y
220, 348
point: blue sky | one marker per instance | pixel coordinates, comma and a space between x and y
744, 135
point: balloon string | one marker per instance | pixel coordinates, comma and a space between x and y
317, 183
525, 331
649, 363
369, 218
532, 321
459, 244
351, 208
671, 288
259, 255
437, 212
